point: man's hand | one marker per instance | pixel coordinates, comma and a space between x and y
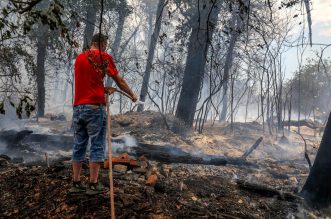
110, 90
121, 83
134, 98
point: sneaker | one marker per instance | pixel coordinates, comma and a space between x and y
77, 187
95, 189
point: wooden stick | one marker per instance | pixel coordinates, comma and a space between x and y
306, 152
46, 159
252, 148
110, 156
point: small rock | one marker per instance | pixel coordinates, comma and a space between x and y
253, 204
34, 168
160, 187
141, 179
17, 160
125, 123
165, 170
182, 186
21, 169
140, 170
284, 140
151, 180
152, 171
120, 168
311, 216
142, 158
5, 157
143, 164
3, 162
293, 180
60, 117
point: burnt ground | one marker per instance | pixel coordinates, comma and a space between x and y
188, 191
181, 190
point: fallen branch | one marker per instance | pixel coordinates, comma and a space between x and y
306, 153
46, 160
307, 123
267, 191
252, 148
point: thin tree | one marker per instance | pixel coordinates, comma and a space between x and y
151, 51
91, 17
317, 188
202, 22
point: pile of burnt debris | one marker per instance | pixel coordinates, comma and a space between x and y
143, 189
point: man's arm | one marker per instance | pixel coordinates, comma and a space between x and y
121, 83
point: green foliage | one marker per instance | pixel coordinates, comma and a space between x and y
311, 87
25, 105
289, 3
2, 108
31, 13
10, 57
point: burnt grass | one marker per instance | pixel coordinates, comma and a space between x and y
40, 192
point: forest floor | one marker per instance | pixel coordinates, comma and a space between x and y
267, 189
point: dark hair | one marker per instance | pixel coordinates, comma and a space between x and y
99, 38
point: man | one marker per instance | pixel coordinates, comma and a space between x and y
89, 116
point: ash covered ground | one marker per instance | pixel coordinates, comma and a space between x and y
266, 189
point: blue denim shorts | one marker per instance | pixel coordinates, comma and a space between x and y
89, 122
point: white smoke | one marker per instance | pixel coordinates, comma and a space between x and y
2, 148
9, 120
121, 143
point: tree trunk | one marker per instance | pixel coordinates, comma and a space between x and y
150, 12
117, 41
299, 100
317, 188
151, 51
228, 65
196, 59
41, 58
290, 112
231, 103
280, 109
225, 99
119, 32
91, 16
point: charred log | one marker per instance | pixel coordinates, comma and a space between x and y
266, 191
50, 141
171, 154
165, 154
12, 137
307, 123
317, 188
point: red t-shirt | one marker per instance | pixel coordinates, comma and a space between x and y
89, 75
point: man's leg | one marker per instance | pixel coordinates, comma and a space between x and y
79, 149
94, 171
80, 144
97, 133
76, 170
